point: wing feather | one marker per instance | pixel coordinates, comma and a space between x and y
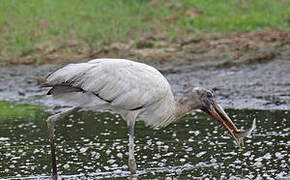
126, 84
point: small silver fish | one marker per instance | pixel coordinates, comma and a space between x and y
240, 135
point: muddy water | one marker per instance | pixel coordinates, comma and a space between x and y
94, 146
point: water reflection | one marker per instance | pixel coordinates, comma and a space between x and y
94, 145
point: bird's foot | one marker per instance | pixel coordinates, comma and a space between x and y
54, 177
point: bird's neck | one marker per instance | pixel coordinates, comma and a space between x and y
181, 109
170, 113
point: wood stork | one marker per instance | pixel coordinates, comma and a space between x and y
134, 90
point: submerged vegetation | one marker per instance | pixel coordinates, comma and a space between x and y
42, 27
11, 111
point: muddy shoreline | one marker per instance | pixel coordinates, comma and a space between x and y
246, 71
259, 86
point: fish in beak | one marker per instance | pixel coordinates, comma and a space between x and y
216, 112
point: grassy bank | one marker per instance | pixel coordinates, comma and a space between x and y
43, 26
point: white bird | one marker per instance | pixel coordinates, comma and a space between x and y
134, 90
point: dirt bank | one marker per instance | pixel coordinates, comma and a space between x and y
246, 70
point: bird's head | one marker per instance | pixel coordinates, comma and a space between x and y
200, 98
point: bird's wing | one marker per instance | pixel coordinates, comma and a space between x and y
122, 83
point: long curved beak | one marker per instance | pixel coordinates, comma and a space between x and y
217, 113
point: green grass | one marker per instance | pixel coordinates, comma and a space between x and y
27, 25
10, 110
239, 15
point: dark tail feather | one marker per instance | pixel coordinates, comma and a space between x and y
61, 89
46, 85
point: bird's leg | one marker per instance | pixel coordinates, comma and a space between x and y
131, 161
50, 124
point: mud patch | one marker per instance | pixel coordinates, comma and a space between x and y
157, 47
246, 70
254, 58
245, 47
256, 86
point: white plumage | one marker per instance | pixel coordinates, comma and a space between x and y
120, 85
135, 90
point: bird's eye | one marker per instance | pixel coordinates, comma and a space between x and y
209, 95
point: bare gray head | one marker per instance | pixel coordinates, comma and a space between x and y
201, 98
198, 98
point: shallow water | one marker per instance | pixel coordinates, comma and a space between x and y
94, 146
